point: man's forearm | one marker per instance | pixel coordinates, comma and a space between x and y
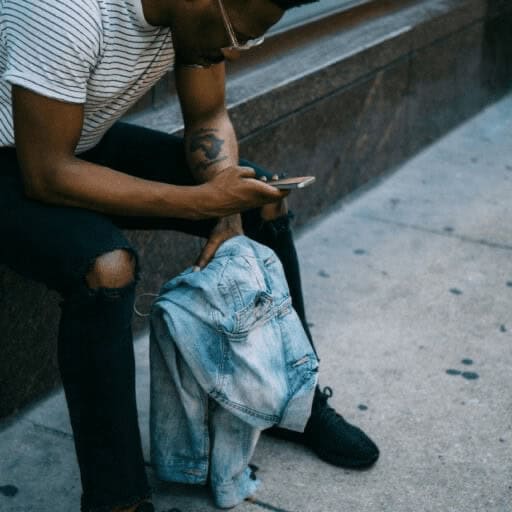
77, 183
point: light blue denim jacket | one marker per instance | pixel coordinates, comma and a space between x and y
229, 357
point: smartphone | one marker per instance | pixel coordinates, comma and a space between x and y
291, 183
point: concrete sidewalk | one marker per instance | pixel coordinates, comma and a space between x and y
409, 293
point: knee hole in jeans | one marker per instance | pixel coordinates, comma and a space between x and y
114, 269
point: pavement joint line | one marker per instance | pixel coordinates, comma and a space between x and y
462, 238
50, 430
266, 506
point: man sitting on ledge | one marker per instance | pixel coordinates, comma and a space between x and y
71, 176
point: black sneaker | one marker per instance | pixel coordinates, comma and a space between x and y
332, 438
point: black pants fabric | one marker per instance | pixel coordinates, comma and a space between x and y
57, 246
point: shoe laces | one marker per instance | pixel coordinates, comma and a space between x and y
325, 413
322, 396
327, 392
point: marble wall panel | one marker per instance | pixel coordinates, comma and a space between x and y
443, 18
28, 328
261, 110
353, 58
344, 140
445, 85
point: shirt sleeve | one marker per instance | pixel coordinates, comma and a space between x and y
51, 46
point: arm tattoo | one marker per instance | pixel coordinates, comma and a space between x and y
209, 144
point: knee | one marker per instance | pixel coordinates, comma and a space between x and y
114, 269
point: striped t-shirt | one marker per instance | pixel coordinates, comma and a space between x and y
99, 53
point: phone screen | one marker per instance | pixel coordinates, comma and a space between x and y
291, 183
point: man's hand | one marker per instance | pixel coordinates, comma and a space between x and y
226, 228
233, 190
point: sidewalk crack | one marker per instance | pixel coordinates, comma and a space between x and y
266, 506
432, 231
50, 430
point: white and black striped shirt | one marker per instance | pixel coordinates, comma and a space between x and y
99, 53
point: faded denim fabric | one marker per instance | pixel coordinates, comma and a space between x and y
229, 358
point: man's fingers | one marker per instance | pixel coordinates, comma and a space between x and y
247, 172
207, 253
271, 191
267, 190
277, 192
211, 246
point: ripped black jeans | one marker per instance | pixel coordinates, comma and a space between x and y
57, 246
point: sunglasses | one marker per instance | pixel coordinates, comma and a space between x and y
235, 44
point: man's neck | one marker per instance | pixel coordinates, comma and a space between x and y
159, 12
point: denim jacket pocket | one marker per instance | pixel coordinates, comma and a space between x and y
257, 311
257, 306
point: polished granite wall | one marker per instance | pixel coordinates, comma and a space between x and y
348, 109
